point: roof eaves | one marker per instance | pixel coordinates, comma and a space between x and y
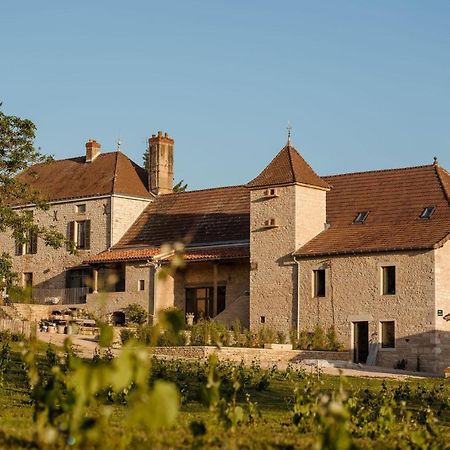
298, 254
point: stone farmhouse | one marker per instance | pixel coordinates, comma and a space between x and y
365, 253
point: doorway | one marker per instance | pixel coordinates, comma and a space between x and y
360, 342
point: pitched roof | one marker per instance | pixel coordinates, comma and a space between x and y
287, 167
395, 199
193, 255
109, 173
206, 216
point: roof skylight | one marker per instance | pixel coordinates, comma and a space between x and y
361, 217
427, 212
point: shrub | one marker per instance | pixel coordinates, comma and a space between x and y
281, 337
169, 339
147, 334
236, 331
266, 335
208, 332
333, 341
126, 335
316, 340
137, 314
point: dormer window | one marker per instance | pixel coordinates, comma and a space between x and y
361, 217
427, 212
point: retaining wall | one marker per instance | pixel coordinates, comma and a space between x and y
265, 356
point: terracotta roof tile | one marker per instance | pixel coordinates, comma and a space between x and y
73, 178
194, 217
193, 255
395, 199
286, 168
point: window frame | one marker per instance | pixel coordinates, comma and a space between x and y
29, 246
361, 217
74, 228
427, 212
319, 284
386, 282
389, 345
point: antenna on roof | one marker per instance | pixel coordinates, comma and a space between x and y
119, 143
289, 128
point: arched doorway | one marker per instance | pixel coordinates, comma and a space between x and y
118, 318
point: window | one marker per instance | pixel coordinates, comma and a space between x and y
388, 334
200, 301
111, 278
388, 274
29, 247
270, 223
319, 283
262, 319
427, 212
361, 217
80, 234
81, 209
141, 285
272, 192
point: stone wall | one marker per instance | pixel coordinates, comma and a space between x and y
48, 265
264, 356
354, 293
125, 210
272, 270
103, 304
300, 215
442, 306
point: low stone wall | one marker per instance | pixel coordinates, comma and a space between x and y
264, 356
34, 313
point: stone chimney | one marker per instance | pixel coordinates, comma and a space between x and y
160, 173
92, 150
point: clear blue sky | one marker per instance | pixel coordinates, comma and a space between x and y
366, 84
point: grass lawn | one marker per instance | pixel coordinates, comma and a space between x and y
273, 429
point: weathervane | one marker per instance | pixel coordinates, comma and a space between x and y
119, 143
289, 128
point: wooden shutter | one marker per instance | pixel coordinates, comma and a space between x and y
33, 242
70, 233
19, 248
87, 238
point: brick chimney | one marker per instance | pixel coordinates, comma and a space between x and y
92, 150
160, 173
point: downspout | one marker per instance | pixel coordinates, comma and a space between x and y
298, 296
153, 292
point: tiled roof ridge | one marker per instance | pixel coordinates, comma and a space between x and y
362, 172
113, 187
290, 148
71, 158
206, 189
443, 186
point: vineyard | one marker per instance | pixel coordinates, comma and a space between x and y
50, 398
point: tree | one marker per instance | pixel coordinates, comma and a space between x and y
17, 153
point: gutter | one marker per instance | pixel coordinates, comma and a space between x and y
298, 296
